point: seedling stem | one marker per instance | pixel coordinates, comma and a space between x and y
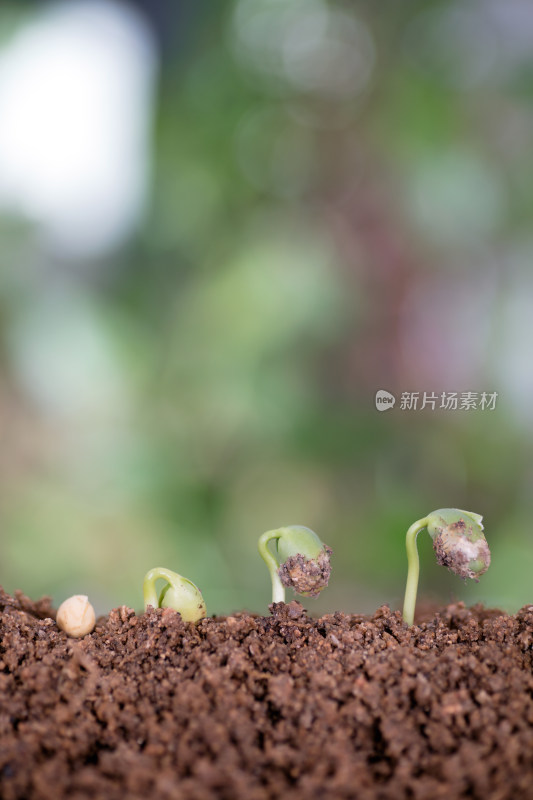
413, 569
459, 544
302, 561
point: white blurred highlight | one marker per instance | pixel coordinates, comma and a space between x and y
65, 360
337, 60
305, 45
76, 86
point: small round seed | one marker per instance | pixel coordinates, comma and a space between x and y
76, 616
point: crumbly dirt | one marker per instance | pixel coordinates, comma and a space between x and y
344, 707
307, 576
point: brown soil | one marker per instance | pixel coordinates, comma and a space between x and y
253, 708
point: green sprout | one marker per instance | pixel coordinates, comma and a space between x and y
459, 544
178, 593
301, 561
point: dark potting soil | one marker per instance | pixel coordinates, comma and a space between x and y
252, 708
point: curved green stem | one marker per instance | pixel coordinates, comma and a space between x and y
413, 569
178, 593
278, 590
149, 592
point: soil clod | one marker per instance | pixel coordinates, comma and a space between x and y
307, 576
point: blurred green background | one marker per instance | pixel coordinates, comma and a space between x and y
224, 226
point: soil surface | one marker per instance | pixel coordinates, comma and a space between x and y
253, 708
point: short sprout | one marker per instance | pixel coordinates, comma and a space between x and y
302, 562
76, 616
459, 544
178, 593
